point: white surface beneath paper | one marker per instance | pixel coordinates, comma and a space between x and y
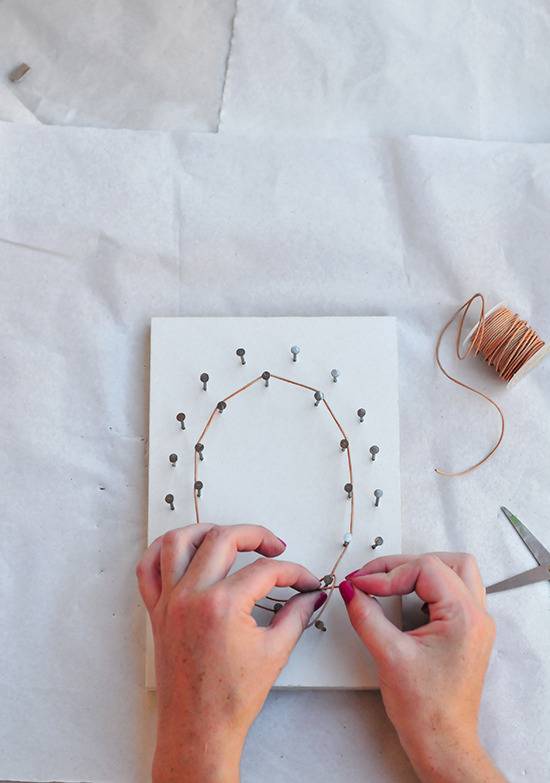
100, 231
274, 458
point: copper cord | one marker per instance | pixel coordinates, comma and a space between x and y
332, 573
504, 341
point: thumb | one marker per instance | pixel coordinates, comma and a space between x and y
290, 621
372, 626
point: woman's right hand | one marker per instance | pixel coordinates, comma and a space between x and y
431, 678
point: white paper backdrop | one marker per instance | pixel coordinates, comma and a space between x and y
116, 63
474, 69
100, 230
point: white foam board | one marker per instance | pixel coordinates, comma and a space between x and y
274, 458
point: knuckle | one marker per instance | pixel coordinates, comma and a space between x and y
216, 533
491, 627
215, 604
475, 621
263, 563
170, 538
467, 559
428, 559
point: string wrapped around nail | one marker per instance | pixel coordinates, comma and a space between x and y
327, 582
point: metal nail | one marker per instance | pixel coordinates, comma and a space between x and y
170, 500
240, 353
204, 379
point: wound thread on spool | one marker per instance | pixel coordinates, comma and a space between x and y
506, 342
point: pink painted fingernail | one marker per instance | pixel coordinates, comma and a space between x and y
347, 590
353, 573
320, 601
282, 542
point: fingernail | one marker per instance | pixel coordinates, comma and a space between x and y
320, 601
347, 590
352, 573
282, 542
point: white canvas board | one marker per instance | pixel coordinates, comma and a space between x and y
273, 457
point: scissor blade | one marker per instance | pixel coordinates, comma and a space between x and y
537, 574
539, 552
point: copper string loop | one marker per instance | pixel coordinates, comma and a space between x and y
504, 340
344, 547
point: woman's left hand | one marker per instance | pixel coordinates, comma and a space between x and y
214, 664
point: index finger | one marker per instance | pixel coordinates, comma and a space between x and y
218, 551
427, 575
463, 564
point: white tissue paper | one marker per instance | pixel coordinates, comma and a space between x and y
470, 69
117, 63
99, 231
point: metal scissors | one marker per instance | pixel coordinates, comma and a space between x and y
539, 552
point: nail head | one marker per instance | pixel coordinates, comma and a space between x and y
294, 350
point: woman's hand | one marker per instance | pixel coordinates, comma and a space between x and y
214, 664
431, 678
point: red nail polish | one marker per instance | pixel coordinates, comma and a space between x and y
347, 590
320, 601
352, 573
282, 542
